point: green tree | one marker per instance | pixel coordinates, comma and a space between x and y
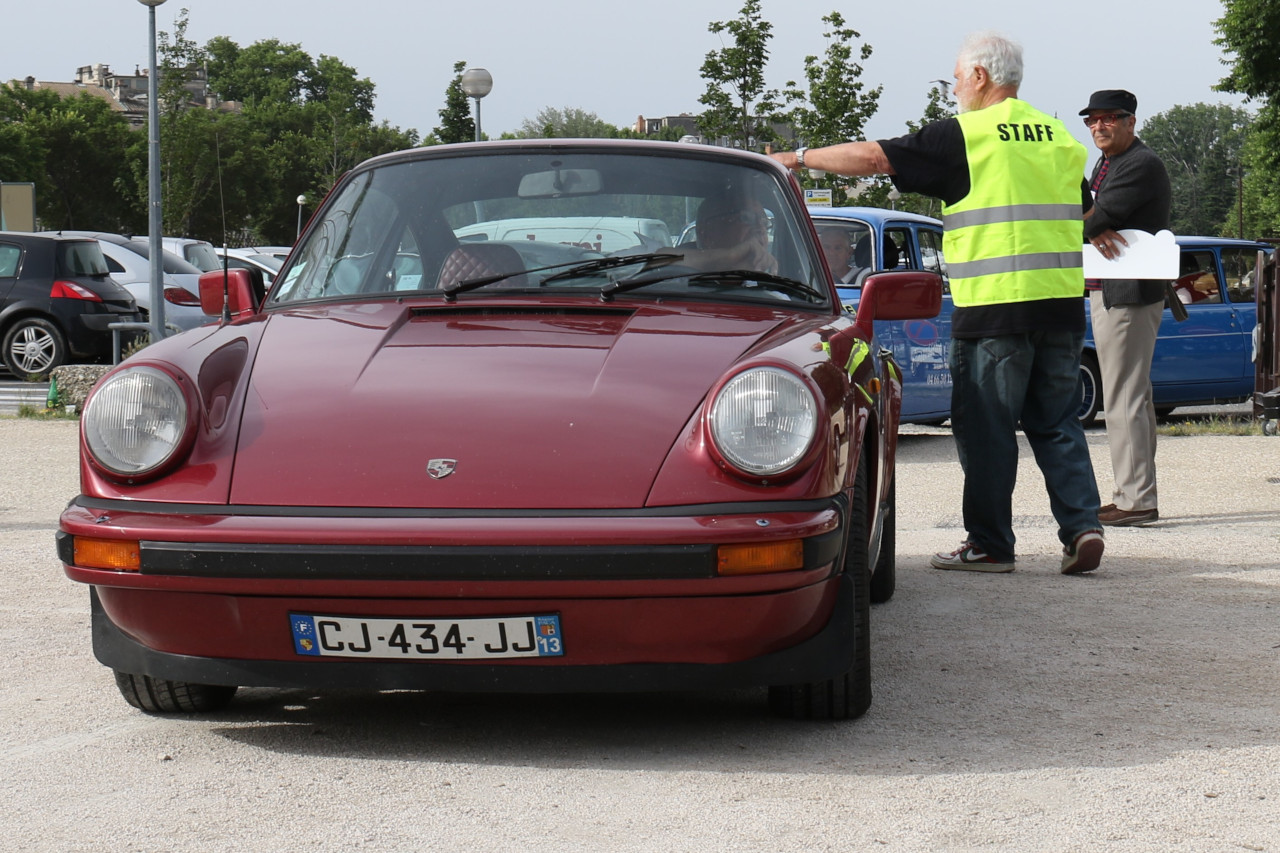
880, 191
456, 123
265, 71
1201, 146
740, 109
77, 151
306, 123
568, 123
835, 105
342, 113
1249, 32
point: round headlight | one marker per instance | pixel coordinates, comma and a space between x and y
763, 420
136, 421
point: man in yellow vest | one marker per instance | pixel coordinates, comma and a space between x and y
1011, 181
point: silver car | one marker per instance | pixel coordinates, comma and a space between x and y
129, 261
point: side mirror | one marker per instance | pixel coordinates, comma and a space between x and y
237, 289
905, 295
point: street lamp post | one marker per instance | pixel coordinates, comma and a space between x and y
476, 83
154, 211
302, 199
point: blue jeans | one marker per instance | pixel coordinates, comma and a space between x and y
1032, 378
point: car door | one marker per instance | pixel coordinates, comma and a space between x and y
1207, 356
921, 347
926, 343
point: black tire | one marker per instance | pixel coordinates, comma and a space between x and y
157, 696
884, 580
1090, 389
848, 695
33, 346
1163, 412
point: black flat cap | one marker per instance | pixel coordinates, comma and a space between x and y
1111, 99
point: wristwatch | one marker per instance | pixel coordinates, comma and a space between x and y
800, 157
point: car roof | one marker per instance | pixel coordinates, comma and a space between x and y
44, 235
104, 236
875, 215
1207, 242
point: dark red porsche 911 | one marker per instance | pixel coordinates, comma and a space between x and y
491, 430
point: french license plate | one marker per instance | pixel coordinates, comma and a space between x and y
435, 639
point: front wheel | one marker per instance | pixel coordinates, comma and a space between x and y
1090, 389
847, 695
33, 346
158, 696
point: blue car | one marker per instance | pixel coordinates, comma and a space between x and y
1208, 358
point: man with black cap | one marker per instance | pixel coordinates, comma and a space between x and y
1131, 190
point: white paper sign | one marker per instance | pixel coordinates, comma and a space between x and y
1146, 256
818, 197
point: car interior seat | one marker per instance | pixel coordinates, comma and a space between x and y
477, 260
862, 252
890, 254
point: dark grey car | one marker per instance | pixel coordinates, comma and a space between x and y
57, 301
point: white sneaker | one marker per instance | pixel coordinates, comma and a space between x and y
969, 558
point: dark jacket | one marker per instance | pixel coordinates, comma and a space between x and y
1134, 194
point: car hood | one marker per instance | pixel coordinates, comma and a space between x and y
385, 405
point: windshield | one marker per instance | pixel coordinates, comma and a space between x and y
81, 257
203, 256
560, 220
170, 262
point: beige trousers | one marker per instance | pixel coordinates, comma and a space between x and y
1125, 336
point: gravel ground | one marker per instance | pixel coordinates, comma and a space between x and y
1134, 709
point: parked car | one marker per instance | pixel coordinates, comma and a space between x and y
895, 240
278, 252
130, 264
1206, 359
199, 253
57, 301
251, 259
419, 463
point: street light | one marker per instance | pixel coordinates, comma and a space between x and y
476, 83
302, 199
153, 186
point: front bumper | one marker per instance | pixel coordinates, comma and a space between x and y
638, 594
825, 654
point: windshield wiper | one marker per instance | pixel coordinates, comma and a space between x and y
777, 282
651, 260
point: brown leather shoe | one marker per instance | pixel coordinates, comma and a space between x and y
1116, 517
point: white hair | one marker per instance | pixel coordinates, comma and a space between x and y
1000, 56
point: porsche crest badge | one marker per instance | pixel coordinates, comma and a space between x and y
438, 469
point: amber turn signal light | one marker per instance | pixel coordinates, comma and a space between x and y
123, 555
760, 558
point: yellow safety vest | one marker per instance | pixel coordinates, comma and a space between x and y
1017, 235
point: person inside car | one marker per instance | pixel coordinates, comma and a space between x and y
733, 233
838, 247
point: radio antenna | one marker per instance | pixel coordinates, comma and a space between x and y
222, 203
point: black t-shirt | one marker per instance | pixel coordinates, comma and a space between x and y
933, 162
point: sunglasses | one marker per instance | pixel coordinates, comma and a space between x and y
1106, 119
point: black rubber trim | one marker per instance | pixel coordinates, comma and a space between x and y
256, 511
432, 562
827, 654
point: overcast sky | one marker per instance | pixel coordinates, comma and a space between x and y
621, 60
